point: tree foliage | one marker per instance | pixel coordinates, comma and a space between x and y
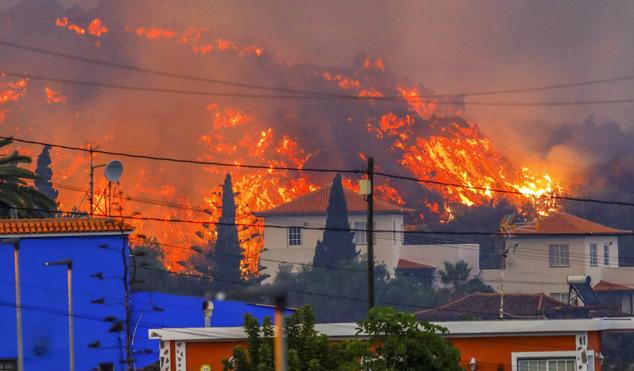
396, 342
337, 243
228, 253
17, 195
457, 277
340, 294
400, 342
44, 174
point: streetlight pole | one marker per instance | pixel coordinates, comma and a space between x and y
18, 297
71, 346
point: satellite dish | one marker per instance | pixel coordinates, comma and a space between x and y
113, 172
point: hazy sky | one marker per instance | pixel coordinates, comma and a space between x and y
450, 46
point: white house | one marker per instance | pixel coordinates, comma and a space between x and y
294, 244
543, 253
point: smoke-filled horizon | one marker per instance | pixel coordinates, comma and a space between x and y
371, 49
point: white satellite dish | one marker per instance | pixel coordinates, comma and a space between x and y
113, 171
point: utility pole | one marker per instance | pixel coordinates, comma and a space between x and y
370, 232
91, 195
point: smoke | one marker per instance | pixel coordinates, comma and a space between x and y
450, 47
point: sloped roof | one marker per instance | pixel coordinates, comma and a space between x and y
316, 203
564, 223
486, 306
61, 226
408, 264
609, 286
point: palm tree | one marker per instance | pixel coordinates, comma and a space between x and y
455, 275
17, 195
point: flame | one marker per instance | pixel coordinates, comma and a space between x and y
97, 28
53, 96
198, 39
450, 150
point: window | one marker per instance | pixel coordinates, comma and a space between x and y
555, 364
360, 233
561, 296
558, 255
8, 365
606, 255
294, 236
109, 366
594, 260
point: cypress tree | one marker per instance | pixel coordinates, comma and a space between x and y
228, 254
44, 174
337, 244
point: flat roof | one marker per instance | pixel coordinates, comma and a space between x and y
456, 329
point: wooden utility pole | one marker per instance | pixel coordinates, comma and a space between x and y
370, 232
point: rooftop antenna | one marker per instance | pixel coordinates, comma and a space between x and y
113, 172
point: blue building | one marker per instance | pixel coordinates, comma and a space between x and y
99, 251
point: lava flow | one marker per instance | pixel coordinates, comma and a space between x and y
407, 129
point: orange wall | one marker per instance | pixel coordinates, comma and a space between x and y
489, 351
212, 353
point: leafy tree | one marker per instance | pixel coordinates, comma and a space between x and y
457, 278
400, 342
16, 193
337, 245
397, 341
339, 294
224, 261
44, 174
306, 349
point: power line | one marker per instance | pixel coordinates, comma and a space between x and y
94, 61
310, 97
318, 170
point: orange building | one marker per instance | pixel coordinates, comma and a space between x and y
509, 345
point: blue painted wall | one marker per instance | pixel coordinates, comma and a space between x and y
160, 310
44, 301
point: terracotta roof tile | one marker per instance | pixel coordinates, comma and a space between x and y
61, 225
316, 203
408, 264
609, 286
564, 223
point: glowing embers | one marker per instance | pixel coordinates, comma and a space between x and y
54, 97
198, 39
95, 28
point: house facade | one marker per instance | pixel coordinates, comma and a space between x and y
296, 226
542, 254
98, 249
509, 345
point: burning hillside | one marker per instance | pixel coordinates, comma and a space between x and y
410, 133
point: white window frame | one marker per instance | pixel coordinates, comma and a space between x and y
606, 255
562, 261
293, 237
517, 356
594, 255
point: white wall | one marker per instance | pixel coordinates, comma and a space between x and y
277, 250
528, 269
